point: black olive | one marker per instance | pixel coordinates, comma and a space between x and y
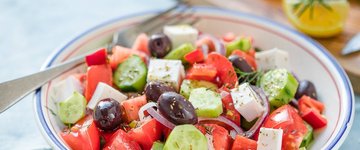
240, 63
177, 109
306, 88
159, 45
154, 89
107, 114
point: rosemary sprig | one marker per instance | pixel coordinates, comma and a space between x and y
303, 5
250, 77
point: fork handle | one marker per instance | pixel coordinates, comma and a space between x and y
14, 90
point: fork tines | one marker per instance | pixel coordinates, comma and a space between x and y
178, 14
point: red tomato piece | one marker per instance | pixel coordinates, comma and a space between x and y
97, 58
228, 37
121, 141
96, 74
147, 133
225, 70
195, 56
221, 138
84, 135
106, 135
306, 102
252, 52
120, 54
243, 143
202, 72
141, 43
248, 58
229, 110
132, 106
310, 110
294, 128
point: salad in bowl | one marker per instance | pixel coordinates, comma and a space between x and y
182, 89
251, 84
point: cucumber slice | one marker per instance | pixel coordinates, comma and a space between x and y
157, 146
130, 76
309, 136
207, 103
279, 85
72, 109
186, 137
180, 52
243, 44
188, 85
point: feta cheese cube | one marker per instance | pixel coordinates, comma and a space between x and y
65, 88
272, 59
247, 102
168, 71
180, 34
103, 91
269, 139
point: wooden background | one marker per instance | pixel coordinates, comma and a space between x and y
273, 9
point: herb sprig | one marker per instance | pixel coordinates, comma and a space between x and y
250, 77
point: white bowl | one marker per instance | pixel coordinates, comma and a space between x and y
308, 59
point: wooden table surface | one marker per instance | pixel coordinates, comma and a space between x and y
273, 9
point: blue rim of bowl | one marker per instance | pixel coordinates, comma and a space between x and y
345, 78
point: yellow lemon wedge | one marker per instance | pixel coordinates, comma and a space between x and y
317, 18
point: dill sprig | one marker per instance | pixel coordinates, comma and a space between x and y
251, 77
303, 5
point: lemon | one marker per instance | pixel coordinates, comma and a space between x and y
319, 19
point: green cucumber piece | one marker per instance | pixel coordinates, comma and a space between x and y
72, 109
157, 146
206, 102
243, 44
179, 52
188, 85
279, 85
130, 76
186, 137
309, 136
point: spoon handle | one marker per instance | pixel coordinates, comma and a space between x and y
14, 90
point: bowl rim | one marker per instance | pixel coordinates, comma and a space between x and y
339, 138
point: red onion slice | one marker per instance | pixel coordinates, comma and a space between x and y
160, 118
219, 45
228, 122
144, 108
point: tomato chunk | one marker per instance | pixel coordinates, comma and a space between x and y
225, 70
96, 74
84, 135
221, 138
243, 143
310, 111
97, 58
230, 111
132, 106
195, 56
141, 43
294, 128
120, 140
202, 72
147, 133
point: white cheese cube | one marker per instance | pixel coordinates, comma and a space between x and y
180, 34
272, 59
269, 139
167, 71
247, 102
65, 88
103, 91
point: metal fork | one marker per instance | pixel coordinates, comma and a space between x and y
14, 90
